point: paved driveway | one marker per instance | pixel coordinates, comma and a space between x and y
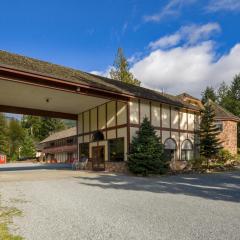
61, 204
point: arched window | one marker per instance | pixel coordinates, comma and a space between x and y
187, 150
170, 149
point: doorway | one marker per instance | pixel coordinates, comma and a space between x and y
98, 158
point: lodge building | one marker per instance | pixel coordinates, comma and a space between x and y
60, 147
108, 112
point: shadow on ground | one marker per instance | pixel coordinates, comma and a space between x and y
219, 186
33, 166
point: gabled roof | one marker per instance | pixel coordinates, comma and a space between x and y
47, 69
71, 132
190, 99
186, 95
222, 113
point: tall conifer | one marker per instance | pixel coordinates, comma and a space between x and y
146, 155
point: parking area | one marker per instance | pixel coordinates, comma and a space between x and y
65, 204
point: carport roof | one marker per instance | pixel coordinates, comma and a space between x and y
46, 69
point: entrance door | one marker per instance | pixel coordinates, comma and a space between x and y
98, 158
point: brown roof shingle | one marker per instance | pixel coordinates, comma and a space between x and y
70, 132
222, 113
68, 74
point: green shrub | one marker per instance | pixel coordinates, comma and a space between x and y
223, 156
199, 163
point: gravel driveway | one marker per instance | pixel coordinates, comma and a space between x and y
60, 204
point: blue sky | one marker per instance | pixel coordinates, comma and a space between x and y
175, 45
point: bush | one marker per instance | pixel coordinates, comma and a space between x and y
146, 155
224, 156
199, 163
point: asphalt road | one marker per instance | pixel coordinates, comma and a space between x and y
60, 204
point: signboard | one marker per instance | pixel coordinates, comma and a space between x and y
3, 159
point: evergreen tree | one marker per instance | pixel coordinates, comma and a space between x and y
28, 146
48, 126
234, 103
230, 99
32, 124
209, 142
234, 95
207, 94
146, 155
16, 136
121, 71
42, 127
3, 135
223, 95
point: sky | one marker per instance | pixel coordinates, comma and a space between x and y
172, 45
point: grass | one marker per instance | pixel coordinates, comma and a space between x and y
6, 216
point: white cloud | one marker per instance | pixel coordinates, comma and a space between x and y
190, 34
185, 61
194, 33
173, 8
166, 41
187, 68
223, 5
105, 73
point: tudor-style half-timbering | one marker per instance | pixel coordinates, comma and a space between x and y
171, 123
119, 121
110, 120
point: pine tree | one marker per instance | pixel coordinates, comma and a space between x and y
48, 126
207, 94
209, 142
230, 99
3, 135
28, 146
121, 71
234, 105
16, 135
42, 127
146, 155
32, 124
223, 95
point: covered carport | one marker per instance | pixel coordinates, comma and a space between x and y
32, 87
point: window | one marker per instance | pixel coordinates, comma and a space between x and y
187, 150
116, 150
70, 141
170, 149
84, 150
219, 125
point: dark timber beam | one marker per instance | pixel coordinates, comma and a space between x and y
37, 112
